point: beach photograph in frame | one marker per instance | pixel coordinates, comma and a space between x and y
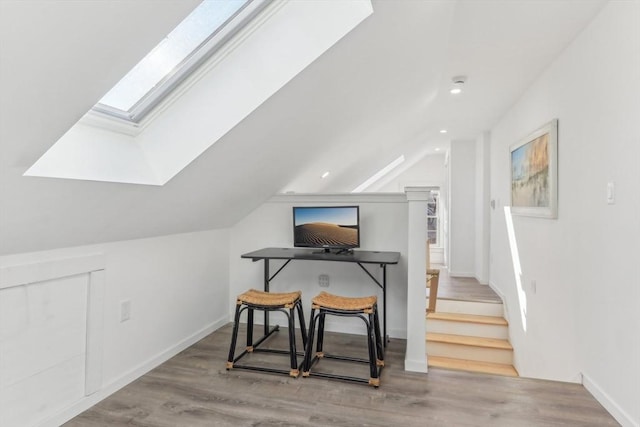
534, 173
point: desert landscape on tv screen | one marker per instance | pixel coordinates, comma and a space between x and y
325, 234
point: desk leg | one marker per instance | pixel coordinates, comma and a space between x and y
266, 289
384, 304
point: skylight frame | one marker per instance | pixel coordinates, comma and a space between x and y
181, 72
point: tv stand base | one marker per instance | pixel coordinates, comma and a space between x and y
345, 251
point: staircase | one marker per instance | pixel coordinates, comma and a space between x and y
470, 336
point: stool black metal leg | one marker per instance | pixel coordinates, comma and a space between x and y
379, 342
250, 329
373, 368
234, 337
303, 325
292, 342
320, 339
306, 367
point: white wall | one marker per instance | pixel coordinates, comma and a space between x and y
445, 200
428, 172
462, 196
482, 207
582, 318
383, 227
179, 292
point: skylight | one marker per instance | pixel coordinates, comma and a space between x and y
231, 82
197, 37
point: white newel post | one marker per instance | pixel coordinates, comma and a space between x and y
416, 355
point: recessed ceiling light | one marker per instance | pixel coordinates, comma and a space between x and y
437, 149
326, 174
443, 131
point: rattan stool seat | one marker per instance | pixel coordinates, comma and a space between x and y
336, 302
268, 299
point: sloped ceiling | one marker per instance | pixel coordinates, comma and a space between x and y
380, 92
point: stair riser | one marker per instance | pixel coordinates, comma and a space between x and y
481, 354
466, 328
470, 307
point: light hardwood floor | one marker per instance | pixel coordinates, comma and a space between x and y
194, 389
463, 288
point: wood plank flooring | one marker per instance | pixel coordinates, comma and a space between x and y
194, 389
464, 288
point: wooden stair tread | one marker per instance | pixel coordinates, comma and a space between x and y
472, 366
469, 340
469, 318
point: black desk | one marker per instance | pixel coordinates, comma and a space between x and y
382, 259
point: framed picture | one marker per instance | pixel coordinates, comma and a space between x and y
534, 173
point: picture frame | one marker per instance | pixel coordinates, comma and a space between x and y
534, 173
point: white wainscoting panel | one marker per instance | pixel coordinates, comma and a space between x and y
50, 337
42, 347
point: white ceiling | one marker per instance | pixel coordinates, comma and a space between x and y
380, 92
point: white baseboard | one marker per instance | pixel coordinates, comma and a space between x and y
481, 280
400, 334
609, 404
496, 290
361, 330
505, 306
461, 274
108, 389
416, 365
341, 328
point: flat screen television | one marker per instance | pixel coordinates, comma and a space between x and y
327, 227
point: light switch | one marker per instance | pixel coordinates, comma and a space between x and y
611, 193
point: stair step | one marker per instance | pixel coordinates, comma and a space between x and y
469, 341
467, 324
472, 366
470, 318
470, 307
467, 347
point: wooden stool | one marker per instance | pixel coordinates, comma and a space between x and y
365, 308
268, 301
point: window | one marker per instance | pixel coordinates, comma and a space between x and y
193, 41
433, 218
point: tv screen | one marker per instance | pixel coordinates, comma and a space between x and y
326, 227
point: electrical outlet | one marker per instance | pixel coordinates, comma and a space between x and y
323, 280
125, 311
534, 286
